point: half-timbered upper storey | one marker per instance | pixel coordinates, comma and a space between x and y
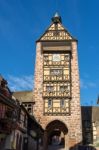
56, 31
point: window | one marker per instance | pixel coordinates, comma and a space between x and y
57, 106
63, 88
62, 103
46, 58
56, 57
49, 102
28, 107
56, 72
56, 33
67, 57
29, 110
94, 131
25, 105
49, 88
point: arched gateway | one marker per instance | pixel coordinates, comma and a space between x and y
56, 135
57, 88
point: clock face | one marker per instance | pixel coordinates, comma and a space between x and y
56, 57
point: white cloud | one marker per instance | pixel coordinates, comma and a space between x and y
87, 84
92, 84
20, 83
27, 83
83, 84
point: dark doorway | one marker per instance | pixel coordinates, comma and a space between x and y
56, 138
56, 131
25, 143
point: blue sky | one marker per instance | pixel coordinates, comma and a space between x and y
22, 22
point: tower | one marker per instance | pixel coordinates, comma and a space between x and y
57, 87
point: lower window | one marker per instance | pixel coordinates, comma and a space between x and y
57, 106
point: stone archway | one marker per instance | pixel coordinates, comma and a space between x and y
56, 136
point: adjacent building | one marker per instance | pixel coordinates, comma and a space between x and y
90, 125
18, 129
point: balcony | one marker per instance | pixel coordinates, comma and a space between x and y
8, 119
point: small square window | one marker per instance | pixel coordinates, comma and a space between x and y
63, 88
49, 88
56, 33
29, 110
25, 105
29, 105
66, 57
46, 57
56, 57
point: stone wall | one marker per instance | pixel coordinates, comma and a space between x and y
72, 122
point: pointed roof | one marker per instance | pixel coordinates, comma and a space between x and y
56, 14
56, 31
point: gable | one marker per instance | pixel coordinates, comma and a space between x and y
56, 32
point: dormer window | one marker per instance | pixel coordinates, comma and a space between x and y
28, 106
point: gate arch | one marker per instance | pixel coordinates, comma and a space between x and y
57, 124
56, 132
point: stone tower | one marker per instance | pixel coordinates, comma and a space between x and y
57, 87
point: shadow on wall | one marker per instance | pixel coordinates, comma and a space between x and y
80, 147
75, 147
87, 128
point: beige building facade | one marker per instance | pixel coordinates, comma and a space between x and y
57, 87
